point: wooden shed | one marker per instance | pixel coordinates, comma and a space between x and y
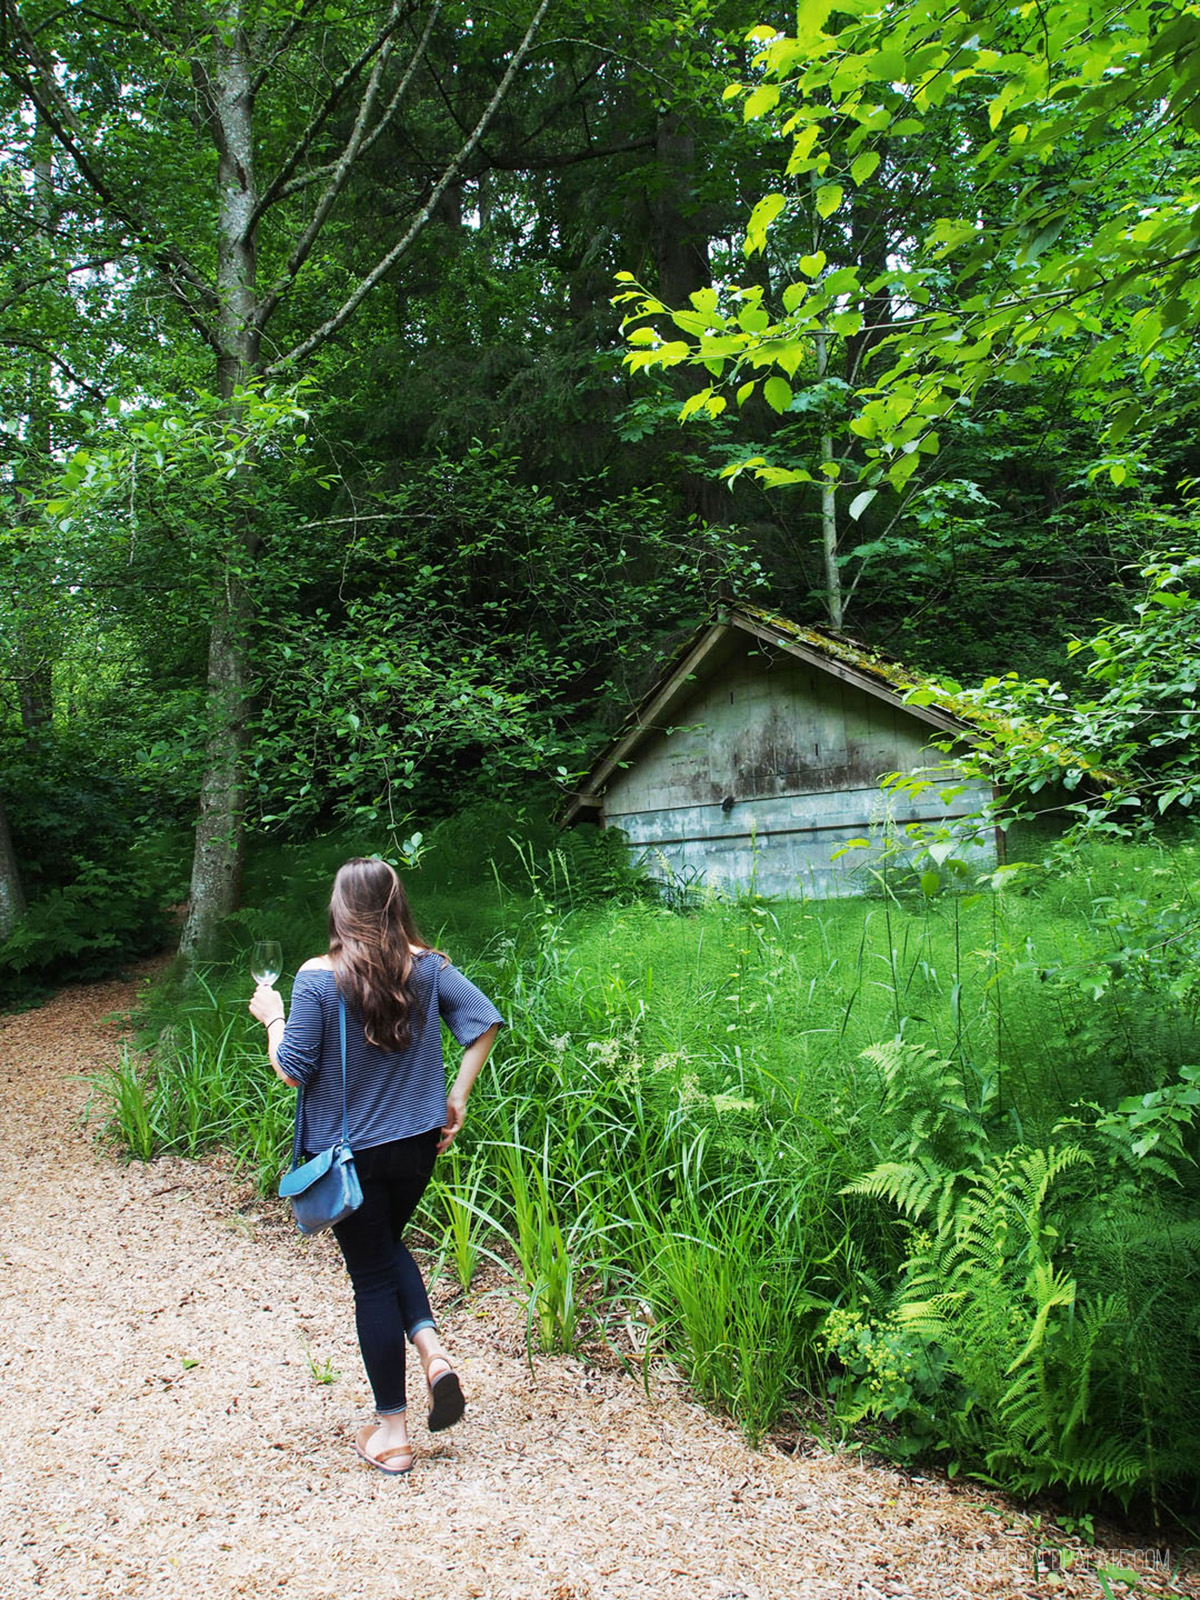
759, 751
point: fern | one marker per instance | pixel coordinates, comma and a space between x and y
1046, 1383
943, 1110
916, 1187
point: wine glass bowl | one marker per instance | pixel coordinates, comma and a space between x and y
266, 961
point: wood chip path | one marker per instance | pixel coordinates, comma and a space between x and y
163, 1435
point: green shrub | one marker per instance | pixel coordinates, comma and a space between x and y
1049, 1295
206, 1082
97, 872
84, 930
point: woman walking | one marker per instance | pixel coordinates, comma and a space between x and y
397, 990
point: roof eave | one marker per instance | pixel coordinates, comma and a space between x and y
643, 720
660, 700
936, 716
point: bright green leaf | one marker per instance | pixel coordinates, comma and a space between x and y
761, 218
693, 403
753, 319
811, 17
777, 392
761, 100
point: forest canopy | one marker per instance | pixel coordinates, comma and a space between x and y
410, 380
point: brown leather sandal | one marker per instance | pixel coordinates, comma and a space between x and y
446, 1400
380, 1462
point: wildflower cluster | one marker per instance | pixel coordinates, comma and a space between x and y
889, 1373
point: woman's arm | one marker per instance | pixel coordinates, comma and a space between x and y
266, 1005
456, 1101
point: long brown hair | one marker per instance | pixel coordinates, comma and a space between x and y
371, 935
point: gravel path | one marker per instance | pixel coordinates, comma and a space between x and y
163, 1433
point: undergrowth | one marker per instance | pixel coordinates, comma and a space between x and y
931, 1162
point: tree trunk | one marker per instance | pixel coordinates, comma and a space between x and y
680, 230
12, 897
36, 642
217, 859
829, 541
829, 532
34, 691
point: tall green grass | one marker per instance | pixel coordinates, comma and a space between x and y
200, 1084
768, 1142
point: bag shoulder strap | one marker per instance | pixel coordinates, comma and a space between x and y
342, 1031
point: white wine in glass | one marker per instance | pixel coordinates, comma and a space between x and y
266, 961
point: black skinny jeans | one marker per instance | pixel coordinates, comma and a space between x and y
390, 1300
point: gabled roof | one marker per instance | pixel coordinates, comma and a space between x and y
867, 669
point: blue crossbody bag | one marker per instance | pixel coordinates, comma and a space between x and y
326, 1189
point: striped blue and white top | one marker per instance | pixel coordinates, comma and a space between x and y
389, 1094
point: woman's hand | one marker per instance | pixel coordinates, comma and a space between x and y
266, 1005
456, 1115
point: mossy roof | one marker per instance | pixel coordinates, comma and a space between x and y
870, 669
890, 673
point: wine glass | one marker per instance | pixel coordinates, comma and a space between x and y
266, 961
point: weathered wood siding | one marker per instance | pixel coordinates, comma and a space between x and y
766, 770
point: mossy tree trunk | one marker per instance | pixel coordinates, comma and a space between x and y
228, 93
12, 897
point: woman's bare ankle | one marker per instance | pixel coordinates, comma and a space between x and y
391, 1432
429, 1349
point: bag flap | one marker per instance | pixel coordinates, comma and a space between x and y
303, 1177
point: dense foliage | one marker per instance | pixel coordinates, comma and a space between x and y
926, 1168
